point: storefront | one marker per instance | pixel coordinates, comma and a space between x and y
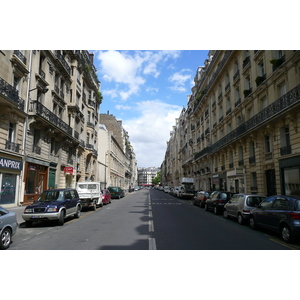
36, 179
70, 177
10, 170
290, 176
236, 180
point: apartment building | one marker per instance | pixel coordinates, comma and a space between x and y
146, 175
53, 97
239, 131
14, 71
120, 157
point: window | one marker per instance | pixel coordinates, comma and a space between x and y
11, 132
261, 68
251, 153
285, 141
281, 204
267, 203
281, 89
292, 181
268, 144
241, 156
253, 180
263, 102
17, 83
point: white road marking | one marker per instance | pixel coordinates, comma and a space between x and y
152, 244
151, 226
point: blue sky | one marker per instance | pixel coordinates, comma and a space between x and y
147, 91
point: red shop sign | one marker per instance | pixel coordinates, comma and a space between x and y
69, 170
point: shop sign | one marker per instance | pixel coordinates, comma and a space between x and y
10, 164
69, 170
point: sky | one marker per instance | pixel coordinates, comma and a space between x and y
147, 90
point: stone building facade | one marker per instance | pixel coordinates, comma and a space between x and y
120, 156
146, 175
240, 130
53, 99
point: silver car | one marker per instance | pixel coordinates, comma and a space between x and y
240, 205
8, 227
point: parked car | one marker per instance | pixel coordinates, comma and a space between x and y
280, 214
106, 196
116, 192
90, 194
8, 227
175, 191
240, 205
200, 198
217, 200
53, 205
167, 189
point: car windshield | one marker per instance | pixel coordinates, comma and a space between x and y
51, 196
87, 186
114, 189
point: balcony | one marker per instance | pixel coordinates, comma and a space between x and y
12, 146
246, 62
63, 63
286, 150
50, 117
11, 94
36, 149
277, 62
20, 55
252, 160
247, 92
260, 79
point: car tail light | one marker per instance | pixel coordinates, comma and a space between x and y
246, 210
295, 216
219, 201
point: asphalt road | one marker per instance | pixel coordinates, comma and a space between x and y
146, 220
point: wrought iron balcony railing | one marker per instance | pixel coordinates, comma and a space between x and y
20, 55
49, 116
12, 146
11, 93
279, 106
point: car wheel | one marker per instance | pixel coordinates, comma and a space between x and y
225, 214
216, 212
5, 239
61, 219
252, 223
286, 234
240, 219
205, 207
78, 211
94, 206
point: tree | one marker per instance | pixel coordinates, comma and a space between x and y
157, 179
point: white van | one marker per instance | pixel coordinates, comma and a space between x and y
90, 194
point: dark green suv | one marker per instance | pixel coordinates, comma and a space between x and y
116, 192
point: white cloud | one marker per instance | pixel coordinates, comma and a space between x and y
123, 107
128, 69
150, 131
179, 80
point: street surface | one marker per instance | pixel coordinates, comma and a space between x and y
146, 220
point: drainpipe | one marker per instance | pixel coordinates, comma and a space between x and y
22, 183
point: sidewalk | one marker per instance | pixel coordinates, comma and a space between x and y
19, 211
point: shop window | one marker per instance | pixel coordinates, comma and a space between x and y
8, 188
292, 181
